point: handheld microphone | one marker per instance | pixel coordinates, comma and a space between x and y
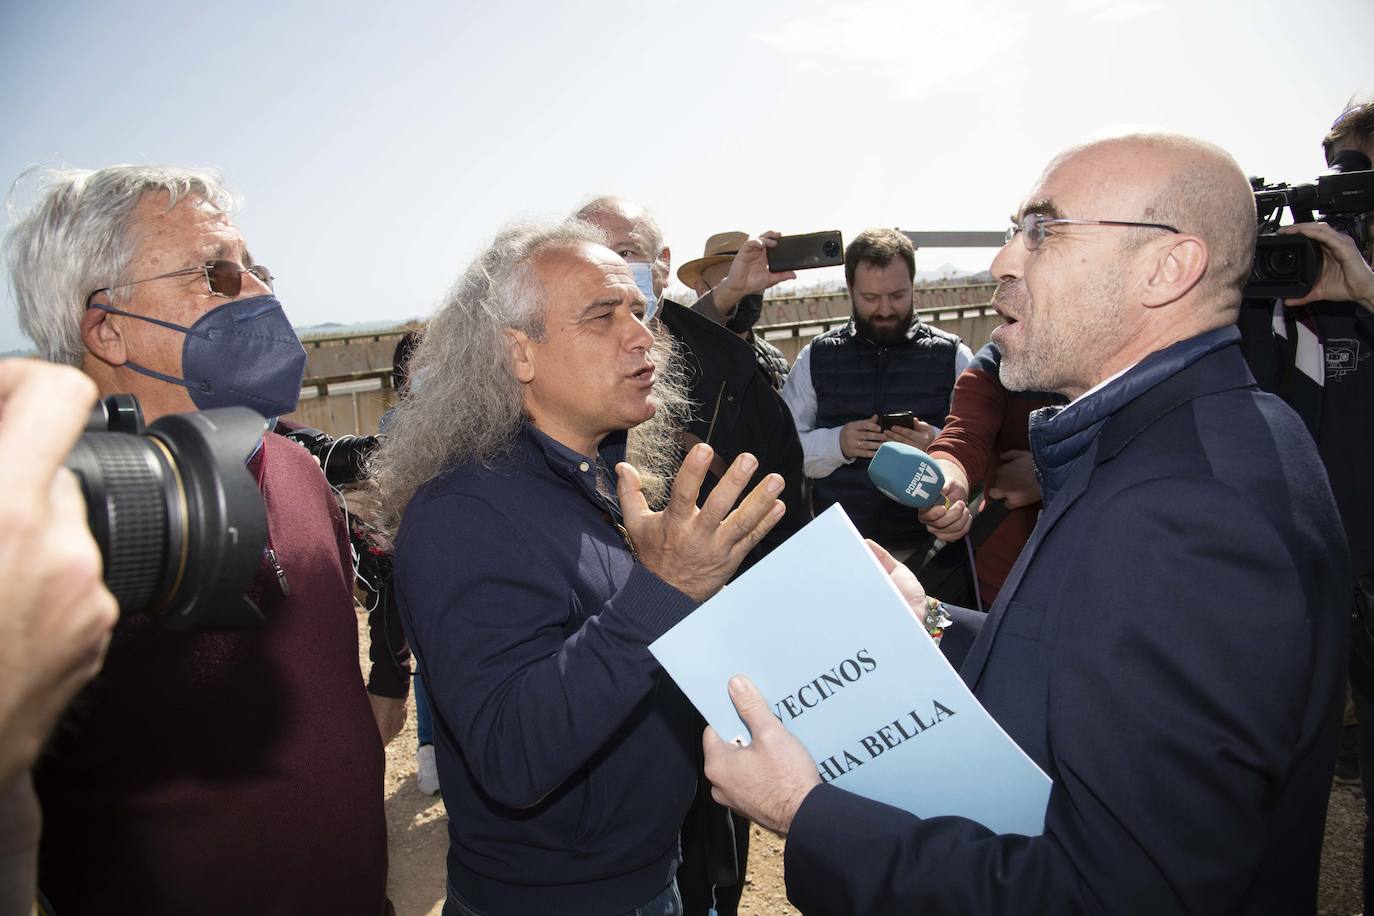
908, 475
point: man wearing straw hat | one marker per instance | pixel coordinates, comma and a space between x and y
706, 276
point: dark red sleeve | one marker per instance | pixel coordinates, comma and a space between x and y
975, 417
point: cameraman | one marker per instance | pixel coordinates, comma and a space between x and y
1315, 352
58, 614
208, 772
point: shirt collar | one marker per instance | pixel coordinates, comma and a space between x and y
578, 468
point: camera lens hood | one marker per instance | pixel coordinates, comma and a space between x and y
225, 525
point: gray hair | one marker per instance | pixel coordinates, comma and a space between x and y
468, 407
76, 239
644, 227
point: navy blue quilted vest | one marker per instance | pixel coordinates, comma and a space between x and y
855, 379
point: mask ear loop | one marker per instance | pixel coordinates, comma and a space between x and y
143, 370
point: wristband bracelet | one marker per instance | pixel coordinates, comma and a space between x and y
937, 618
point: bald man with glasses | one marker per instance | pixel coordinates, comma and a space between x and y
1169, 647
209, 772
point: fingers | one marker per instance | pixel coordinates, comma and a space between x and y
885, 559
953, 491
861, 438
687, 484
630, 489
43, 409
1318, 232
755, 517
948, 523
903, 578
750, 705
726, 493
919, 437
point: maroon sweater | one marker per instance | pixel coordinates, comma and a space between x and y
234, 771
984, 421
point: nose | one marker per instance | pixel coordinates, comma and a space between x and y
250, 284
639, 336
1010, 261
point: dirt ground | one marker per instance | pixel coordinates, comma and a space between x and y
418, 830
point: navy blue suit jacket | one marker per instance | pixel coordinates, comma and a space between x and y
1170, 649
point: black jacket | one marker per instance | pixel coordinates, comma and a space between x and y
1170, 649
738, 411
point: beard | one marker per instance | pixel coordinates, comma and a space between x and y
888, 335
1063, 352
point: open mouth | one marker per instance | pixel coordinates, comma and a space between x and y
1006, 291
643, 376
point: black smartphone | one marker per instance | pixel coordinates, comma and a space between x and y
902, 418
803, 252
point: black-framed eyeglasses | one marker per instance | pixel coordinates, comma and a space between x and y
1034, 227
222, 278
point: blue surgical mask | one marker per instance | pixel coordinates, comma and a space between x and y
242, 354
644, 278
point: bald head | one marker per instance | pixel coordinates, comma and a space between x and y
632, 233
1183, 182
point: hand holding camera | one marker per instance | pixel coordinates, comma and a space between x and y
58, 615
1344, 276
750, 273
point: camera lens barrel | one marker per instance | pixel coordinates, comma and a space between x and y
132, 496
179, 520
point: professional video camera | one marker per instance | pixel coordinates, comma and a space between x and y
179, 521
344, 461
1286, 266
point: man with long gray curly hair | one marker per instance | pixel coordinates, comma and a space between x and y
532, 574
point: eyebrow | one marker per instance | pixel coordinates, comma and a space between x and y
605, 302
1043, 206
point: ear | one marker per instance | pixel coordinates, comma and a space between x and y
521, 355
661, 266
1175, 270
102, 336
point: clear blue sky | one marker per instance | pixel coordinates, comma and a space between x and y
376, 146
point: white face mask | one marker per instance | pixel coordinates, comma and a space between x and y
644, 278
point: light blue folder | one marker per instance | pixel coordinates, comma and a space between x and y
825, 635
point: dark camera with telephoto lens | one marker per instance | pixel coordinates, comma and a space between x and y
178, 519
1287, 266
343, 459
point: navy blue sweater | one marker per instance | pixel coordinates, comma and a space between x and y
565, 754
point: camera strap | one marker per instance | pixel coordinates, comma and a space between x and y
269, 555
1302, 372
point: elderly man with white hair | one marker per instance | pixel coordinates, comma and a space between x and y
234, 771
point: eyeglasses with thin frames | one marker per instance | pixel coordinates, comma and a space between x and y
1034, 227
222, 278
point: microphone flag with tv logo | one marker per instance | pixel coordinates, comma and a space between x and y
908, 475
